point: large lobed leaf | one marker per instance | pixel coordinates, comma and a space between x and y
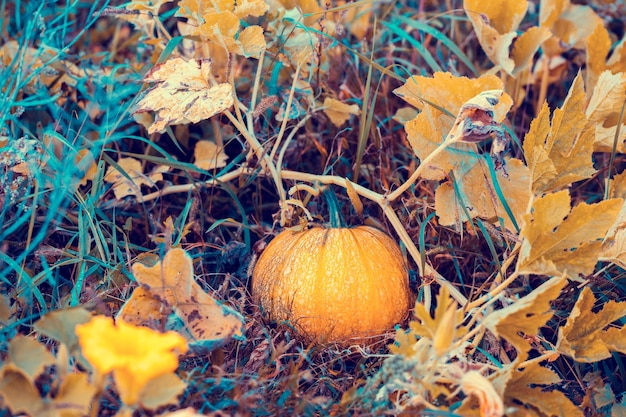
584, 337
556, 152
558, 239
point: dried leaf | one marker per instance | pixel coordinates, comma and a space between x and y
605, 105
208, 322
495, 23
183, 93
526, 316
86, 162
130, 184
209, 156
525, 386
162, 390
584, 337
558, 239
571, 25
252, 42
614, 244
474, 384
60, 325
339, 112
526, 45
558, 153
30, 356
18, 392
429, 129
441, 329
475, 195
75, 396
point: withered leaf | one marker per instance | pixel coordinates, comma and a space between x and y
525, 385
526, 316
183, 93
557, 153
559, 239
584, 337
171, 281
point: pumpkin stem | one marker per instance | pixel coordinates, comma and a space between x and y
336, 220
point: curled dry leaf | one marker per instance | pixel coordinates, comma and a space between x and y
170, 284
474, 384
439, 98
183, 93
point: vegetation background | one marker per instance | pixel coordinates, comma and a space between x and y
149, 150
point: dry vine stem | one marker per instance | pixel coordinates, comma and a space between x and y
384, 202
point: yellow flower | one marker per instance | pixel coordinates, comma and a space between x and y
134, 354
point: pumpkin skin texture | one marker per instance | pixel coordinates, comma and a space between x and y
338, 285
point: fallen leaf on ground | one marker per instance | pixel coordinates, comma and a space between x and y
170, 284
130, 184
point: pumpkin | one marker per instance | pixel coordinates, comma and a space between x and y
333, 284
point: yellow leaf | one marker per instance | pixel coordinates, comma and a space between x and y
584, 337
134, 354
220, 28
526, 45
429, 129
525, 316
19, 394
571, 25
605, 105
597, 46
525, 386
256, 8
339, 112
130, 184
85, 160
503, 15
162, 390
208, 322
183, 93
209, 156
441, 329
558, 153
60, 325
30, 356
75, 396
495, 23
475, 195
558, 239
252, 41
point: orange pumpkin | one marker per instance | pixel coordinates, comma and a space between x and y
333, 285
